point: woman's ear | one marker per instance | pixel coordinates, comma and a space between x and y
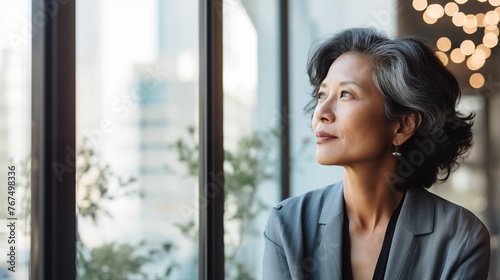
405, 127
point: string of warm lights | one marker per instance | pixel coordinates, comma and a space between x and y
473, 54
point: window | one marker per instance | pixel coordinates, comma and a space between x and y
15, 145
137, 137
252, 129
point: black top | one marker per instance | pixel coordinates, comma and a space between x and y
384, 252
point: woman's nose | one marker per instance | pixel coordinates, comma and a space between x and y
324, 111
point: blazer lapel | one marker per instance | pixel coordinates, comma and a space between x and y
416, 218
330, 222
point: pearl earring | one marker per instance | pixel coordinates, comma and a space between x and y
396, 153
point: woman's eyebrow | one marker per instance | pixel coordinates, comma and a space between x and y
350, 82
343, 83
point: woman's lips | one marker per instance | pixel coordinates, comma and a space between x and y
322, 137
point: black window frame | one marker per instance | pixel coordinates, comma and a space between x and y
53, 215
53, 177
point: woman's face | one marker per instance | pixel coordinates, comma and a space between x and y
349, 120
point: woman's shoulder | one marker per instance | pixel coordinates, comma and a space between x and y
450, 216
302, 211
442, 205
450, 237
311, 199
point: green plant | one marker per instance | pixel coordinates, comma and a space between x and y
96, 185
245, 168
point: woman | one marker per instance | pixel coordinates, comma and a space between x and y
384, 109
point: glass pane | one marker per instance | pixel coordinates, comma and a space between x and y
251, 130
311, 21
15, 144
137, 88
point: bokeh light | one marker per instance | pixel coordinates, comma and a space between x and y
469, 30
479, 52
491, 18
491, 29
443, 44
485, 49
490, 40
451, 9
428, 19
477, 60
459, 19
457, 56
435, 11
470, 21
467, 47
476, 80
494, 3
419, 5
471, 65
443, 57
480, 20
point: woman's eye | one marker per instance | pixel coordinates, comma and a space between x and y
344, 94
321, 95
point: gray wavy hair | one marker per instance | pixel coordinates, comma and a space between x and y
413, 81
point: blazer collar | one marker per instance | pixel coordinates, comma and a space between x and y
330, 221
333, 204
417, 211
416, 218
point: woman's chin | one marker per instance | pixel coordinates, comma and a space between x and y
326, 161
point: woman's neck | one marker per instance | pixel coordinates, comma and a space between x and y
369, 197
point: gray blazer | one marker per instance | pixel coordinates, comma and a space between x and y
433, 239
